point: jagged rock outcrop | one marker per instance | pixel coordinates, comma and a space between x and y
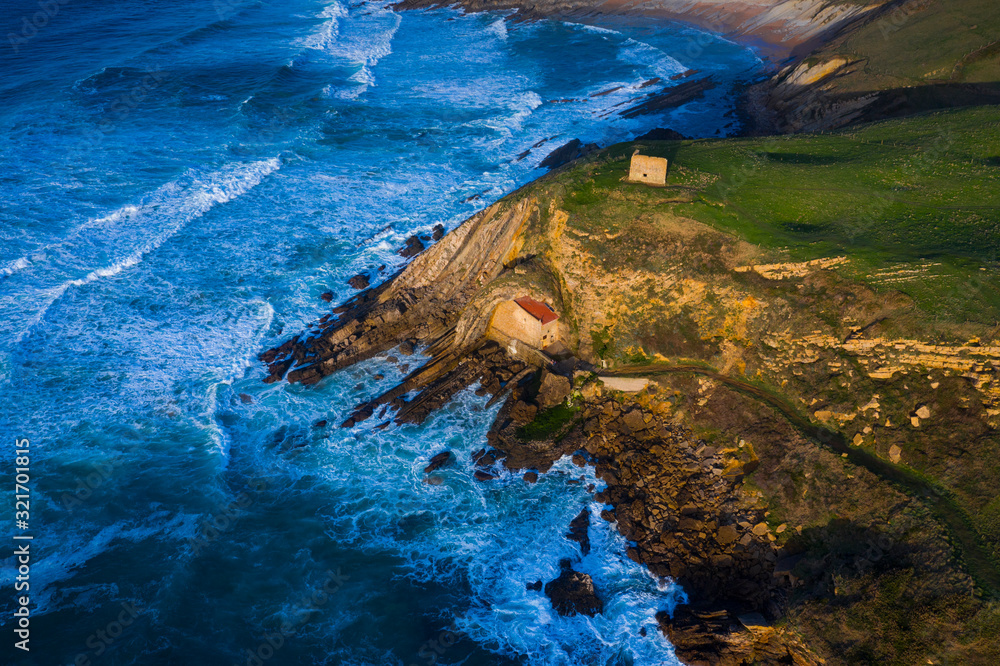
566, 153
429, 301
715, 637
674, 496
573, 593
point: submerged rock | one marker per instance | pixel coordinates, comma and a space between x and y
438, 461
413, 247
579, 531
359, 281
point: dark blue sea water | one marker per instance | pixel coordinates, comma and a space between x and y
179, 182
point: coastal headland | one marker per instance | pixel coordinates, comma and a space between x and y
783, 363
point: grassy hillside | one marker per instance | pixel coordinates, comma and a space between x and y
906, 57
894, 195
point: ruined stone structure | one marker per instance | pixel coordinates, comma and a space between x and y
648, 170
524, 319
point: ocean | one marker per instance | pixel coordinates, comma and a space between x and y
180, 182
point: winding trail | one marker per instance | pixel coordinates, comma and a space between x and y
940, 501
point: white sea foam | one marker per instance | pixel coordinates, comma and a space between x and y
326, 36
650, 58
61, 563
492, 537
498, 28
138, 229
364, 39
15, 266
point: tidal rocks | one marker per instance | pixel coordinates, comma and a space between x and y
327, 296
438, 232
438, 461
573, 593
413, 247
566, 153
483, 476
670, 98
406, 348
531, 477
359, 281
669, 496
579, 530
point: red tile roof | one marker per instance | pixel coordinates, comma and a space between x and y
536, 309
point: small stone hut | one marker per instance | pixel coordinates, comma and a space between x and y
648, 170
529, 321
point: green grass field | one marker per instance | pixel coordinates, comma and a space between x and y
923, 191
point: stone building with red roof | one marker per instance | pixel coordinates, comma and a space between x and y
526, 320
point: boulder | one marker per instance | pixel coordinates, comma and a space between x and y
553, 390
634, 420
726, 535
438, 461
523, 412
359, 281
413, 247
579, 530
573, 593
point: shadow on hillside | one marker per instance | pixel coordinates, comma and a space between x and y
932, 97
